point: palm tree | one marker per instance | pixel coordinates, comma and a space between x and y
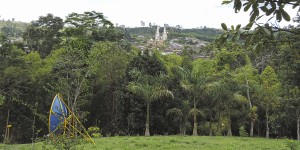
182, 114
150, 88
195, 85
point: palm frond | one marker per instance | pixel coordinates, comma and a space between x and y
196, 111
240, 98
175, 111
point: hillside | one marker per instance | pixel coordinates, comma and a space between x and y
205, 34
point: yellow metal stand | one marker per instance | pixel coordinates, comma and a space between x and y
69, 123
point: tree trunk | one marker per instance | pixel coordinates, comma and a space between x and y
6, 136
267, 123
33, 129
180, 126
195, 132
229, 132
184, 125
210, 122
251, 127
298, 126
147, 133
250, 106
248, 93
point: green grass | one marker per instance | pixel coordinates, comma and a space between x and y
169, 143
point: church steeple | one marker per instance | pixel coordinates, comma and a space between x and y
157, 35
164, 36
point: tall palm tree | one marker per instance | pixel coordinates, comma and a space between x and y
195, 85
150, 88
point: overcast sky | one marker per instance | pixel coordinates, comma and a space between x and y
187, 13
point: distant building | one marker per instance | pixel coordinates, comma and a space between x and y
159, 37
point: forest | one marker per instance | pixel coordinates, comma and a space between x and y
248, 85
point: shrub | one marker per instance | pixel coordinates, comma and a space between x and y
243, 132
94, 132
292, 144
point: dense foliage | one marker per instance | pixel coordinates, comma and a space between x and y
112, 85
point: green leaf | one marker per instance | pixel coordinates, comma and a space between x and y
237, 5
259, 17
236, 36
267, 31
226, 2
273, 5
278, 16
295, 5
255, 46
252, 17
225, 35
224, 27
238, 26
248, 26
264, 9
266, 3
247, 7
270, 11
285, 15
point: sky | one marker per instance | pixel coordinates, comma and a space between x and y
187, 13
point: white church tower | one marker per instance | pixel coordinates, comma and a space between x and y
157, 35
164, 36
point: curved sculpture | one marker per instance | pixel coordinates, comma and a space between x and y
62, 120
58, 115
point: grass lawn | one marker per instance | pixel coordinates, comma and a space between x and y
168, 143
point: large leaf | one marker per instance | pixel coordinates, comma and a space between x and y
285, 15
267, 31
238, 26
247, 7
224, 27
225, 2
264, 9
278, 16
248, 26
237, 5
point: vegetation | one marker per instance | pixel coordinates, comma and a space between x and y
174, 142
247, 83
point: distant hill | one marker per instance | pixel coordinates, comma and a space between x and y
204, 34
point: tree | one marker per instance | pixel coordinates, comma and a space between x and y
83, 25
182, 113
88, 20
108, 63
247, 78
272, 7
142, 23
269, 93
194, 84
259, 9
44, 34
150, 88
293, 105
229, 58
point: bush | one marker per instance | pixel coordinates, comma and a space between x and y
243, 132
94, 132
63, 142
292, 144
